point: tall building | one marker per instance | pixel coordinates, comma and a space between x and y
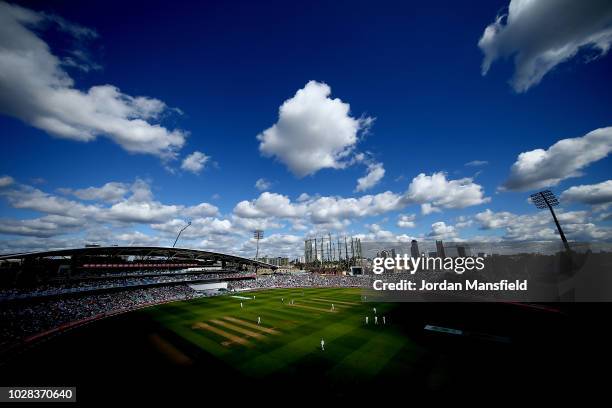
440, 249
414, 249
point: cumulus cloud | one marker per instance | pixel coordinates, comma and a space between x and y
542, 168
439, 230
375, 173
110, 192
202, 210
42, 227
437, 191
406, 221
274, 245
319, 210
139, 206
532, 227
432, 192
35, 88
251, 224
262, 184
463, 222
313, 131
592, 194
199, 227
6, 181
541, 34
137, 238
195, 162
269, 205
427, 209
304, 197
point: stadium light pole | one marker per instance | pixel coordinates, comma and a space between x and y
545, 199
180, 232
257, 234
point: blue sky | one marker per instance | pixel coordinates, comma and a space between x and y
419, 104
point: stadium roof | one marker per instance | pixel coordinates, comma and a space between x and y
167, 252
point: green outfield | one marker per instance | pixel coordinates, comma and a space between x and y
288, 339
211, 348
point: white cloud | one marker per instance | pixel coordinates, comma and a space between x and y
304, 197
427, 209
593, 194
6, 181
406, 221
463, 222
576, 225
313, 131
30, 198
262, 184
325, 209
319, 210
43, 227
251, 224
541, 34
195, 162
269, 205
430, 191
199, 227
436, 191
110, 192
136, 211
202, 210
439, 230
477, 163
542, 168
137, 238
35, 88
375, 173
138, 207
274, 245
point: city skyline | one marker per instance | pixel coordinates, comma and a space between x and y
386, 122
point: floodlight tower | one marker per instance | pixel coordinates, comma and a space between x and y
545, 199
180, 232
257, 234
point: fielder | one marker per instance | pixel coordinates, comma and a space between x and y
322, 345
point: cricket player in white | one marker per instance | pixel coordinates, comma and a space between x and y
384, 320
241, 305
367, 319
258, 320
374, 310
322, 345
375, 319
332, 306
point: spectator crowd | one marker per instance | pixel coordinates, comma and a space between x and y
300, 280
24, 316
80, 286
